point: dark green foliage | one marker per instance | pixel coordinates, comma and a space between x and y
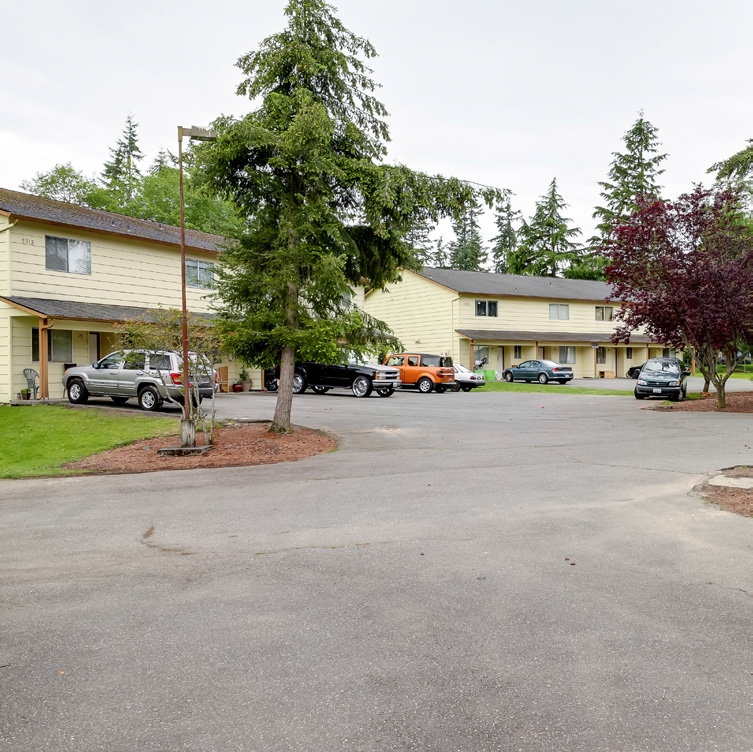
62, 183
506, 242
633, 173
121, 175
738, 167
467, 251
545, 248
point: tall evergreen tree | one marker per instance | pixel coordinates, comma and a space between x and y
506, 241
441, 256
632, 173
467, 251
546, 248
322, 211
121, 175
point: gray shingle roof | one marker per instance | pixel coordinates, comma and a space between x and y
27, 206
518, 285
75, 310
493, 335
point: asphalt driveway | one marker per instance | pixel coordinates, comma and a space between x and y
468, 572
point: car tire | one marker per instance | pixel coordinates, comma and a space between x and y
271, 385
319, 389
509, 377
149, 399
361, 386
424, 385
77, 392
299, 384
440, 388
683, 395
119, 400
466, 388
543, 378
386, 391
455, 387
563, 381
639, 396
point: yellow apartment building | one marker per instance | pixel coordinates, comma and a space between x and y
68, 274
509, 318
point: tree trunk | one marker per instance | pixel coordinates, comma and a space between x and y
284, 405
706, 383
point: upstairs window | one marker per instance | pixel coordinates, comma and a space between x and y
200, 274
604, 313
486, 308
66, 255
559, 311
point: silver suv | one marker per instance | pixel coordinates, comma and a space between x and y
148, 376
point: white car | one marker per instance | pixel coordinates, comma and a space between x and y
466, 379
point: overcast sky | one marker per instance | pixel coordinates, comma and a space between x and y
502, 92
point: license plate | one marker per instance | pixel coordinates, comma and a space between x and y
657, 391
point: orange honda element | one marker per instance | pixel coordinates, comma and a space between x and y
424, 372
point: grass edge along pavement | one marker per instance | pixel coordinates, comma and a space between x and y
38, 440
503, 386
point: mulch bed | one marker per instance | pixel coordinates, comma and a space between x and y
235, 444
737, 402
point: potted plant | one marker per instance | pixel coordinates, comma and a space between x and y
25, 393
237, 386
245, 379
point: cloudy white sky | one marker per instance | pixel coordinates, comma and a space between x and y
505, 92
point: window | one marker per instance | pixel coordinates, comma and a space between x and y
396, 360
604, 313
413, 360
486, 308
601, 355
559, 311
59, 345
199, 274
567, 355
628, 353
517, 351
480, 355
665, 353
64, 255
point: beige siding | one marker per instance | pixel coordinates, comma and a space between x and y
5, 240
418, 311
532, 314
123, 271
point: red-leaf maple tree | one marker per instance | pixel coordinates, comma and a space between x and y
684, 270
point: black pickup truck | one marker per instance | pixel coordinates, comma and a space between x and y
361, 379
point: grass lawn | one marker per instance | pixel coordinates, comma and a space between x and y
38, 440
503, 386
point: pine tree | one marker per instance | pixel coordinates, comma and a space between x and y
632, 173
467, 251
545, 249
121, 175
441, 257
506, 242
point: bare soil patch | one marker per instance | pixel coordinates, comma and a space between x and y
235, 444
737, 402
736, 500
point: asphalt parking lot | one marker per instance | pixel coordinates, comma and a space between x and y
485, 571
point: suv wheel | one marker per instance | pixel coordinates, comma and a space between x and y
386, 391
361, 386
149, 399
77, 393
543, 378
299, 384
424, 385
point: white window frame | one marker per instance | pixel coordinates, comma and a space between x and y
486, 306
80, 250
569, 358
194, 269
559, 312
604, 313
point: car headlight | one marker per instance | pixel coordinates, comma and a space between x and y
642, 382
674, 383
